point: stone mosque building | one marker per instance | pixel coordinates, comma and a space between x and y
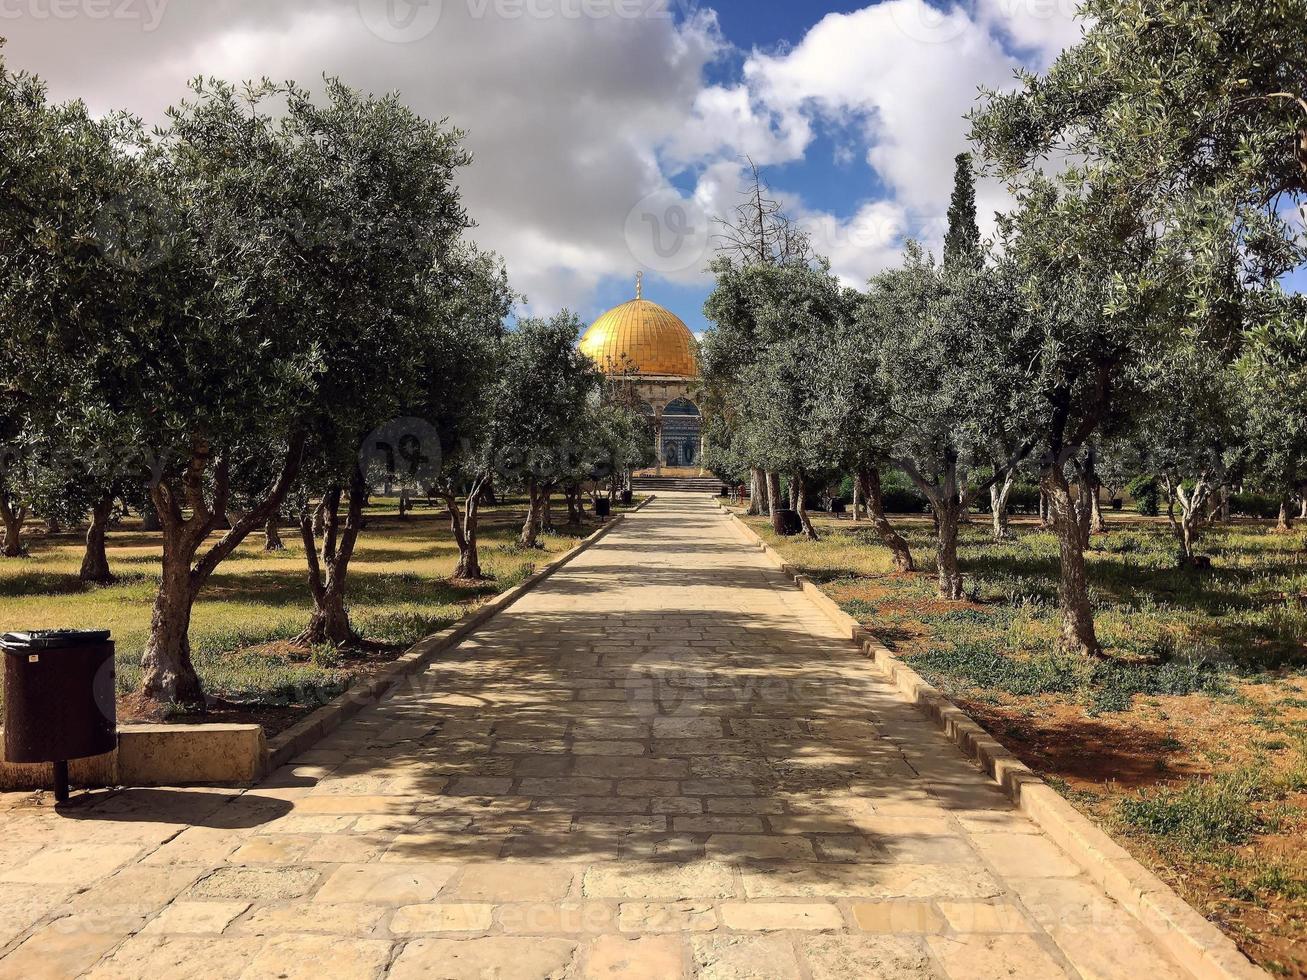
650, 348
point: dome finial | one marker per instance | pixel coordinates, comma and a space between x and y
639, 285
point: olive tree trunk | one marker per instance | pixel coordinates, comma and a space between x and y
95, 561
799, 490
872, 492
999, 496
13, 515
774, 507
1192, 504
168, 673
1284, 525
1097, 523
272, 535
948, 510
531, 526
1078, 633
947, 503
465, 527
328, 564
755, 493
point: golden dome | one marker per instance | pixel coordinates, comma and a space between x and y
641, 337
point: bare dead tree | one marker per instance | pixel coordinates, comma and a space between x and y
761, 233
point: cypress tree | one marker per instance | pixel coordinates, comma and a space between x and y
962, 243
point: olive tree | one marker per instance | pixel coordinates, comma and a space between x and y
539, 398
458, 393
952, 343
378, 221
1168, 168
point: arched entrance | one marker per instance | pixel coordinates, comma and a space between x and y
681, 433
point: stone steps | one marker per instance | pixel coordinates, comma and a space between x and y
664, 483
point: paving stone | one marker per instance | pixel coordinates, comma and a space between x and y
1024, 856
868, 881
58, 952
23, 905
140, 887
718, 825
609, 748
338, 805
732, 847
346, 920
279, 849
256, 884
734, 957
667, 917
703, 879
314, 957
503, 958
71, 864
844, 957
205, 918
985, 917
179, 958
994, 957
898, 917
744, 804
773, 916
643, 958
382, 884
448, 917
556, 917
514, 882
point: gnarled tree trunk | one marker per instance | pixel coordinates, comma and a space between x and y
755, 493
168, 674
272, 535
774, 507
948, 513
13, 515
1285, 523
798, 489
95, 562
1078, 633
465, 528
531, 526
999, 495
328, 565
869, 480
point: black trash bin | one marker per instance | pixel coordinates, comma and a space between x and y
627, 497
790, 523
603, 507
59, 698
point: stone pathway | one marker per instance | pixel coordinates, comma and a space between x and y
662, 763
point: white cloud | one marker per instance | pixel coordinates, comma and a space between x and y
574, 120
908, 90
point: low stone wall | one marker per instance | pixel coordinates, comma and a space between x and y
157, 755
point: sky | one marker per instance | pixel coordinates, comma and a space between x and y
608, 134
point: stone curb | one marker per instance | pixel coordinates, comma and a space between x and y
304, 734
1197, 944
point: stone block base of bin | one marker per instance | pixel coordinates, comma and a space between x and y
157, 755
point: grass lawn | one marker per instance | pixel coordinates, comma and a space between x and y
1190, 746
399, 592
